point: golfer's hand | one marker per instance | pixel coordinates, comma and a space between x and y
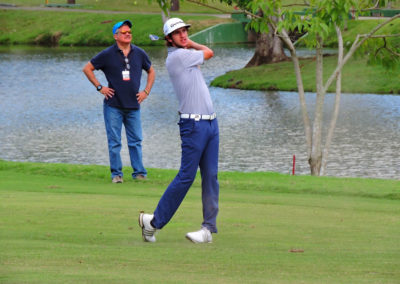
107, 92
141, 96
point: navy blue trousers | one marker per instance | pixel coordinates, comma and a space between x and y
200, 145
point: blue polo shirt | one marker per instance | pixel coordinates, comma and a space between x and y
112, 62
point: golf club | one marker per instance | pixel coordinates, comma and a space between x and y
154, 37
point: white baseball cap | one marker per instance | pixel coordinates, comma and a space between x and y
173, 24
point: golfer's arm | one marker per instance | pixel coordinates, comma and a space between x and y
88, 70
208, 53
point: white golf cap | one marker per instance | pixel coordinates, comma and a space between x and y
173, 24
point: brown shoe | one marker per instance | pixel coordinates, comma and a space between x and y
141, 177
117, 179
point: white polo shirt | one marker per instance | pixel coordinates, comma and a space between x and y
188, 81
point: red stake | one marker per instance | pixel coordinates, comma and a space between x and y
294, 165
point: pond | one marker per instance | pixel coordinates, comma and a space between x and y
51, 113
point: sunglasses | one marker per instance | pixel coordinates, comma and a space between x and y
126, 32
127, 63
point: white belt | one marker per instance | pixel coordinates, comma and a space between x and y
197, 117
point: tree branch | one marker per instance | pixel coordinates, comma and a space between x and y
383, 47
251, 14
392, 51
293, 5
381, 36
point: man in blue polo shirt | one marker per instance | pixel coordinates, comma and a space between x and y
199, 134
122, 64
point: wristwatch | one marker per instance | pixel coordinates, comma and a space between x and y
99, 87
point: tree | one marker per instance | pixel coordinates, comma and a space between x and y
269, 46
322, 18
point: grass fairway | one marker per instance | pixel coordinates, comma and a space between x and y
69, 224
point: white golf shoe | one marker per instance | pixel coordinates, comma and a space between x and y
201, 236
148, 231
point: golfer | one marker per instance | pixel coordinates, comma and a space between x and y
199, 135
122, 64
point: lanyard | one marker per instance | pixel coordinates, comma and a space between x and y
126, 59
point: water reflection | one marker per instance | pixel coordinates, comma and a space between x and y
51, 113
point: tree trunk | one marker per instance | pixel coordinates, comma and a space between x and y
300, 90
174, 5
315, 165
269, 49
315, 160
164, 16
335, 112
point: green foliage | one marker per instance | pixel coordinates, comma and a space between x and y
318, 19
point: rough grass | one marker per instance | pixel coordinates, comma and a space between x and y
69, 224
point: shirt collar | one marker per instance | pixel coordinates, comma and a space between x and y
117, 49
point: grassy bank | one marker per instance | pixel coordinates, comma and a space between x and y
83, 29
358, 77
69, 224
